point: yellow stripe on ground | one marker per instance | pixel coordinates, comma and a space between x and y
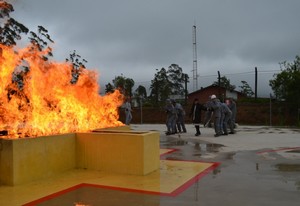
171, 176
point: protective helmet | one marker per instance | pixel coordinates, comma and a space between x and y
213, 96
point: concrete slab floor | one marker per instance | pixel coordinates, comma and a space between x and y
259, 166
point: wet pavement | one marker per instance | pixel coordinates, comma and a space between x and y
259, 166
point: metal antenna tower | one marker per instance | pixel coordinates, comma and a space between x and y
195, 72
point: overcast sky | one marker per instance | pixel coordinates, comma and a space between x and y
136, 37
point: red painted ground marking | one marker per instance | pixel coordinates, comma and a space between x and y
171, 151
174, 193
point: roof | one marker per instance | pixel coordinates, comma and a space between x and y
210, 87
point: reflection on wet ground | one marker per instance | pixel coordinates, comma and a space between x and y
187, 148
288, 167
263, 130
243, 177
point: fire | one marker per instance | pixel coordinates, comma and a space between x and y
47, 102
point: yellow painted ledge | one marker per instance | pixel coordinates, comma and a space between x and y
119, 151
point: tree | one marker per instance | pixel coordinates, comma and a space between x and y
140, 94
129, 83
12, 29
285, 84
166, 83
177, 79
109, 88
224, 82
246, 89
160, 87
124, 84
77, 66
40, 41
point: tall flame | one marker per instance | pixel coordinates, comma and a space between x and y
47, 102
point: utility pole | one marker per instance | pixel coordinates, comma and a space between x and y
255, 83
195, 72
185, 89
219, 84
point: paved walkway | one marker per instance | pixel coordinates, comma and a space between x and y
256, 166
247, 137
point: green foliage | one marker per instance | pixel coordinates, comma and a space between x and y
285, 84
160, 87
246, 89
77, 65
140, 94
224, 82
176, 79
40, 42
10, 29
123, 84
109, 88
166, 83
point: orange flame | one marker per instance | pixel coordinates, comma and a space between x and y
48, 103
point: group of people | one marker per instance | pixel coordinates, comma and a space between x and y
221, 114
175, 117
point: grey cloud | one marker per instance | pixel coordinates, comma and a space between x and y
130, 36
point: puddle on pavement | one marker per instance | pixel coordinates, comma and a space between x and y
293, 151
288, 167
207, 147
195, 147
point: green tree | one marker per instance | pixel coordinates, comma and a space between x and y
177, 79
224, 82
166, 83
109, 88
10, 29
285, 84
246, 89
124, 84
140, 94
77, 65
160, 87
40, 41
129, 84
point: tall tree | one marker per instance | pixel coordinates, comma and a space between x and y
246, 89
285, 84
160, 87
177, 79
78, 64
225, 82
124, 84
40, 41
10, 29
109, 88
140, 94
129, 83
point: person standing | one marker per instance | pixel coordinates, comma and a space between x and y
180, 117
225, 118
171, 117
128, 110
208, 113
195, 114
232, 106
216, 108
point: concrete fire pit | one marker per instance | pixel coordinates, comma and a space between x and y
118, 151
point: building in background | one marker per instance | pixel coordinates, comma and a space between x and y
221, 92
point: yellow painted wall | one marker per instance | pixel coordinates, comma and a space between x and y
6, 159
130, 152
37, 158
119, 151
